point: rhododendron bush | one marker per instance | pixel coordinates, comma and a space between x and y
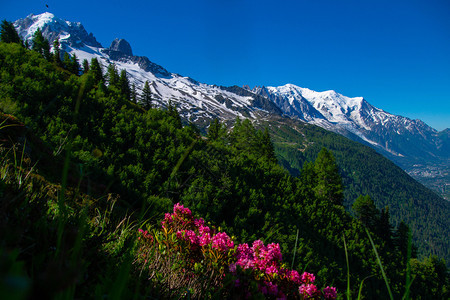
187, 256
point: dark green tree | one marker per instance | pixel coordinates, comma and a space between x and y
8, 33
113, 76
41, 44
96, 71
146, 97
57, 53
133, 93
74, 65
329, 181
124, 84
366, 212
214, 129
267, 146
67, 61
85, 66
384, 228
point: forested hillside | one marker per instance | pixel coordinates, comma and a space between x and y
84, 166
365, 172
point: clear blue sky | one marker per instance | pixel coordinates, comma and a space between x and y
395, 54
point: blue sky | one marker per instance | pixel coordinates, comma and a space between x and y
395, 54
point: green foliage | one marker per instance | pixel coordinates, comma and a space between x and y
8, 33
365, 172
41, 44
146, 97
146, 156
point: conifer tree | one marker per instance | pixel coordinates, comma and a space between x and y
96, 70
57, 53
267, 146
8, 33
133, 94
124, 84
113, 76
329, 181
366, 212
67, 61
146, 97
214, 129
41, 44
74, 65
85, 66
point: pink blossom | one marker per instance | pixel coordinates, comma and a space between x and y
222, 242
271, 270
204, 239
308, 290
294, 276
329, 293
308, 277
199, 222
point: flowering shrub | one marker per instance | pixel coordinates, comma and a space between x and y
202, 252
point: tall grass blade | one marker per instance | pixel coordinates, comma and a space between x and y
348, 270
361, 286
381, 265
295, 251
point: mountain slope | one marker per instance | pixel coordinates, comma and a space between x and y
199, 103
411, 144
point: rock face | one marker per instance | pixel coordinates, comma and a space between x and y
121, 45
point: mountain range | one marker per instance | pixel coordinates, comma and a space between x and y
417, 148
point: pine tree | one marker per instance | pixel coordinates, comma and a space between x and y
41, 44
85, 66
267, 146
133, 93
57, 53
8, 33
146, 97
329, 181
74, 65
384, 227
366, 212
124, 84
96, 70
67, 61
113, 76
214, 129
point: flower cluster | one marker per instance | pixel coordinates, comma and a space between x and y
202, 244
265, 262
195, 231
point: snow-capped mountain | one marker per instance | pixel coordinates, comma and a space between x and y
196, 102
355, 118
408, 142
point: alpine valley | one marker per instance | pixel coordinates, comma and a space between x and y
301, 122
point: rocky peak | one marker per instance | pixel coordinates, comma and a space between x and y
121, 45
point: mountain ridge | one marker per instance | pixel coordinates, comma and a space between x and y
409, 143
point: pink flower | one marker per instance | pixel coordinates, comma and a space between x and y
294, 276
204, 239
329, 293
199, 222
308, 290
308, 277
222, 241
272, 270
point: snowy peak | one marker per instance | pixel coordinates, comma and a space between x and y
73, 33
